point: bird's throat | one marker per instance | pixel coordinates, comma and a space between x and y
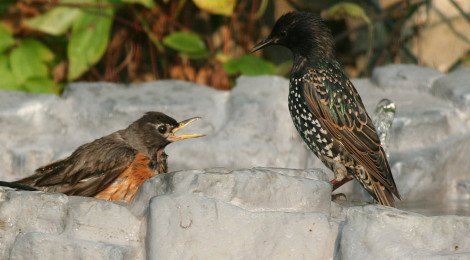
159, 161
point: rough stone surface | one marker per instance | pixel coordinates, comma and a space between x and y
189, 227
35, 245
255, 130
258, 189
263, 211
416, 123
376, 232
456, 88
102, 221
464, 189
22, 212
430, 174
175, 214
37, 225
400, 76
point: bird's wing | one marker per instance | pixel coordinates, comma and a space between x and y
331, 96
89, 170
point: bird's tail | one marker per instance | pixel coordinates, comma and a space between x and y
383, 195
16, 186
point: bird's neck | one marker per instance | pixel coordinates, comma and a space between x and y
315, 61
314, 45
134, 141
156, 153
159, 162
154, 149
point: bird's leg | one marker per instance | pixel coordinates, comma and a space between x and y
337, 184
340, 171
338, 168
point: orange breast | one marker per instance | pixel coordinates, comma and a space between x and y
126, 185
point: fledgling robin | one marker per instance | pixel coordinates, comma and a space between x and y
327, 110
114, 166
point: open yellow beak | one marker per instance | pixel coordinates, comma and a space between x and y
182, 124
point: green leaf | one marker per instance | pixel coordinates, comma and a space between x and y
223, 7
40, 85
3, 61
146, 3
185, 42
196, 55
249, 65
88, 42
55, 21
27, 61
40, 50
8, 79
7, 39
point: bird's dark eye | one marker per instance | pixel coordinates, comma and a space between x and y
162, 129
283, 34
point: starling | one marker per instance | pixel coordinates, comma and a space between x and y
114, 166
327, 110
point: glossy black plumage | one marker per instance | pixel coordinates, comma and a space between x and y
327, 110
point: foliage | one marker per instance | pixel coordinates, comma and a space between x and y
27, 66
88, 41
7, 39
249, 65
344, 9
340, 10
67, 40
188, 44
224, 7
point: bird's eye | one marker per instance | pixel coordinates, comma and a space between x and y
162, 129
283, 34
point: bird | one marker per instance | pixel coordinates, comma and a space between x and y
114, 166
327, 110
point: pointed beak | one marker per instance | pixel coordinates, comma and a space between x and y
264, 43
181, 125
